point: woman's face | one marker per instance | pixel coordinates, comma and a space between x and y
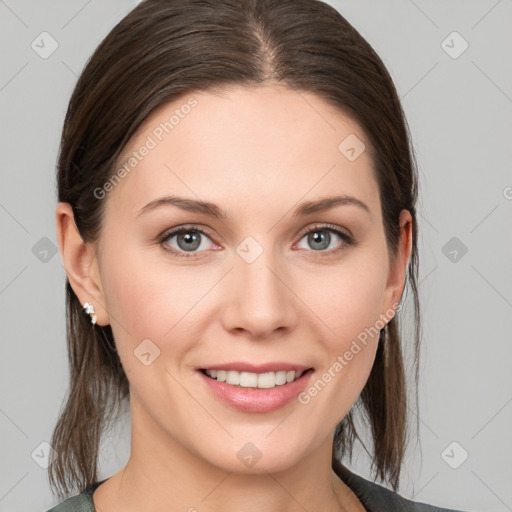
255, 287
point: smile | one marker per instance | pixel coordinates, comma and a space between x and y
254, 380
255, 392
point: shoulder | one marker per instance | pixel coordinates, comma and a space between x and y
377, 498
80, 503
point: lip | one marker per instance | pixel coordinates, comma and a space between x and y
241, 366
257, 400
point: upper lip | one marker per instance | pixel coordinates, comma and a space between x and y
241, 366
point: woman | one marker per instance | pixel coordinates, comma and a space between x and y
237, 222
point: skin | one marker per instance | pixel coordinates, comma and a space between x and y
256, 153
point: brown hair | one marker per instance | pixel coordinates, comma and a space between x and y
164, 49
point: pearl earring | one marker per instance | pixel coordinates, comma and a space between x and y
89, 309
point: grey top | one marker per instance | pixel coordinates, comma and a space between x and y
374, 497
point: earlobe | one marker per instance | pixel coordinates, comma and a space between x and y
80, 263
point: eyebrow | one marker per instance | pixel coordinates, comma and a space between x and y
204, 207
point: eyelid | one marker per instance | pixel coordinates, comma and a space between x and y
328, 227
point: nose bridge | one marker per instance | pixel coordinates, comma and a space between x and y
257, 265
261, 302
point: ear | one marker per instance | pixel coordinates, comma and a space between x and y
398, 268
80, 263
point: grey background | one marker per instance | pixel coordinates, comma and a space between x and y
459, 110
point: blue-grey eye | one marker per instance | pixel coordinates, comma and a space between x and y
187, 239
319, 239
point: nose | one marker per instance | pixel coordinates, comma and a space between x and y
259, 299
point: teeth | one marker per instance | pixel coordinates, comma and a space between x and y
254, 380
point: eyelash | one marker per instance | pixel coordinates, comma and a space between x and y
347, 239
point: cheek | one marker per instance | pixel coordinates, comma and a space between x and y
350, 300
129, 288
350, 309
149, 301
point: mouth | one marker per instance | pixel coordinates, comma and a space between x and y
264, 380
256, 392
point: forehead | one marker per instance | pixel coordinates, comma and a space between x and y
239, 145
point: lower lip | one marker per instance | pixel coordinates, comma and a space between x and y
256, 399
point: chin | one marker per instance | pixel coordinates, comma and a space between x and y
258, 457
